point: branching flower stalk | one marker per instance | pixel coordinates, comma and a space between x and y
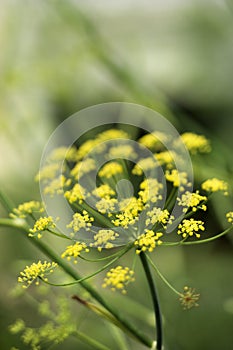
107, 215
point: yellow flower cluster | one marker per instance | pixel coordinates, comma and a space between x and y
35, 271
189, 298
73, 251
215, 185
106, 205
122, 151
76, 194
196, 143
118, 277
84, 167
148, 241
229, 217
42, 224
190, 227
104, 191
150, 190
165, 158
26, 209
130, 208
80, 221
56, 186
111, 169
61, 153
193, 200
145, 164
153, 141
179, 179
157, 215
103, 239
48, 172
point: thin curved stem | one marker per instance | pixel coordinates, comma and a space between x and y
155, 300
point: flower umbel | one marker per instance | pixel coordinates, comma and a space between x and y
118, 277
190, 227
42, 224
148, 241
36, 271
73, 251
189, 298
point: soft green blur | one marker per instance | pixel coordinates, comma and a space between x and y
58, 57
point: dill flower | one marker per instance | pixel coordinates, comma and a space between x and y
76, 194
81, 221
42, 224
190, 227
148, 241
196, 143
111, 169
189, 298
73, 251
144, 164
150, 190
103, 239
177, 178
104, 191
83, 167
106, 205
157, 215
117, 278
27, 208
56, 186
215, 185
36, 271
122, 151
193, 200
229, 217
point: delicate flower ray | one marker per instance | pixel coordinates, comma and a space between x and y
27, 208
103, 239
35, 271
189, 298
73, 251
193, 200
42, 224
215, 185
190, 227
196, 143
117, 278
148, 241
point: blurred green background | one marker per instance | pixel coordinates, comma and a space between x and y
58, 57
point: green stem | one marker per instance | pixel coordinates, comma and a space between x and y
161, 276
90, 341
155, 300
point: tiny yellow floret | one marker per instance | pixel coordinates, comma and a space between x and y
148, 241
